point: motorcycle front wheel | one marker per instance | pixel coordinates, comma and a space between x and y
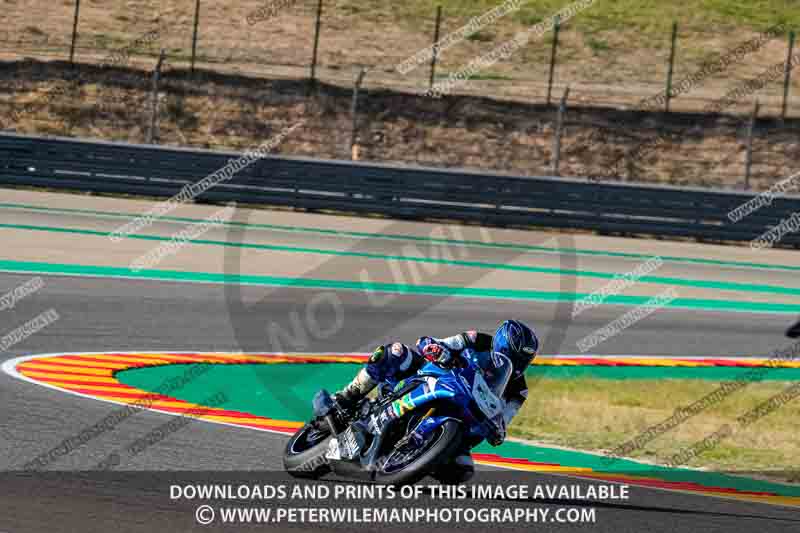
413, 461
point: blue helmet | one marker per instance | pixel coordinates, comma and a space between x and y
516, 341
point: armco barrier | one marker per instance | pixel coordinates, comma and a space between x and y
396, 191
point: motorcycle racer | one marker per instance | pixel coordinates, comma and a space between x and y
393, 362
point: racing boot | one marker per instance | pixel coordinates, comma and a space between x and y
361, 385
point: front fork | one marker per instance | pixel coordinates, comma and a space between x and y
414, 433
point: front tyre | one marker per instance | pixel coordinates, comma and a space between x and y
414, 461
304, 456
459, 470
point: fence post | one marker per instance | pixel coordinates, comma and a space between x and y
749, 155
671, 66
556, 29
316, 45
787, 78
194, 35
151, 130
435, 54
354, 114
562, 109
74, 33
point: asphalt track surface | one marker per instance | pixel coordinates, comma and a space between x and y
99, 314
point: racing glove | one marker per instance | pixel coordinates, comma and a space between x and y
437, 353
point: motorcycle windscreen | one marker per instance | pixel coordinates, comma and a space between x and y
499, 373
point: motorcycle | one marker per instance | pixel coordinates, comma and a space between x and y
412, 429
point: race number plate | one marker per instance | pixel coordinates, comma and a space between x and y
488, 401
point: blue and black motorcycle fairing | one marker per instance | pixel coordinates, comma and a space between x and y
413, 426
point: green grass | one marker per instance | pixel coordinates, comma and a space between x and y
600, 414
643, 15
442, 76
645, 23
597, 45
606, 40
481, 37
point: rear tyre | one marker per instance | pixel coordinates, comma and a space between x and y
304, 456
412, 463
